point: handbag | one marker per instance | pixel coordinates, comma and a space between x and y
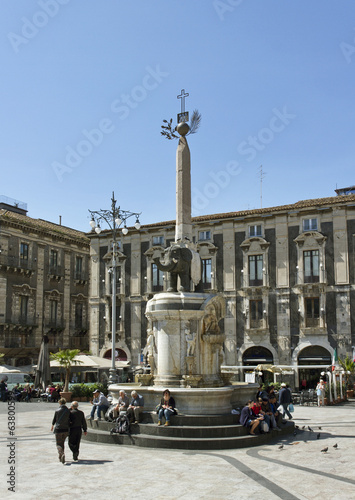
264, 426
281, 409
291, 408
158, 408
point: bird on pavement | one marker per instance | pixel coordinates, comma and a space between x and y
318, 435
320, 428
310, 430
303, 428
324, 450
280, 447
335, 445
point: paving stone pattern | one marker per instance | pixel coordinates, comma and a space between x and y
299, 470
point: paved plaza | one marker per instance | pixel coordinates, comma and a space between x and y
300, 470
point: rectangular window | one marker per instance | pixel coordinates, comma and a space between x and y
24, 247
157, 279
255, 270
78, 268
158, 240
23, 307
204, 235
310, 225
255, 230
312, 311
311, 266
53, 258
78, 316
53, 311
206, 273
256, 313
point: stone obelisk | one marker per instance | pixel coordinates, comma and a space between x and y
183, 229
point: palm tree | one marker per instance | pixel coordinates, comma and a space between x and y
348, 366
65, 358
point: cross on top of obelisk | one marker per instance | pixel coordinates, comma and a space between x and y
184, 115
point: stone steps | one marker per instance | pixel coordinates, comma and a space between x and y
186, 432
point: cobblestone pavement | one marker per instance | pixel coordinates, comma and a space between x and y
299, 470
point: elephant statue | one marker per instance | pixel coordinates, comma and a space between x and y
176, 262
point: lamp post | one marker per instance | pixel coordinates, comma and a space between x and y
114, 218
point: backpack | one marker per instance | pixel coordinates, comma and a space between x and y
122, 425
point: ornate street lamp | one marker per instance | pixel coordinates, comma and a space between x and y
114, 218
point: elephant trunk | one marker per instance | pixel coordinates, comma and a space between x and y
164, 267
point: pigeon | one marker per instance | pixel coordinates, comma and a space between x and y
324, 450
318, 435
303, 428
310, 430
320, 428
296, 426
280, 447
335, 445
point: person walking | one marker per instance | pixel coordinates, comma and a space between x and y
285, 398
60, 424
320, 392
78, 424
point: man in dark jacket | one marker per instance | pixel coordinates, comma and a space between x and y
285, 398
77, 422
61, 429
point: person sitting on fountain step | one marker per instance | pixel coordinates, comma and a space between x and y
269, 416
122, 405
249, 419
274, 406
167, 409
136, 407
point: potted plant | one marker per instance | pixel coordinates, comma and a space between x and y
66, 359
348, 366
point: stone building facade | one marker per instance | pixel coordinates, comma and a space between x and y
287, 275
44, 281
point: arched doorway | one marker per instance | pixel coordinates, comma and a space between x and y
314, 356
120, 355
259, 355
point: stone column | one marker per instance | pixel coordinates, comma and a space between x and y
183, 229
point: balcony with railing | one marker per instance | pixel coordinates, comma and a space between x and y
54, 324
79, 342
55, 272
15, 263
81, 277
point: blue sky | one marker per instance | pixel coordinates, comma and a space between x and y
85, 86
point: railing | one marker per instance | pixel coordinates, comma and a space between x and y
81, 343
14, 261
55, 324
56, 270
26, 321
81, 276
16, 342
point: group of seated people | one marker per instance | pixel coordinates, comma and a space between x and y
134, 407
52, 393
18, 392
263, 413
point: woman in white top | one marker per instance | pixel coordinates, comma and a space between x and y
320, 392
